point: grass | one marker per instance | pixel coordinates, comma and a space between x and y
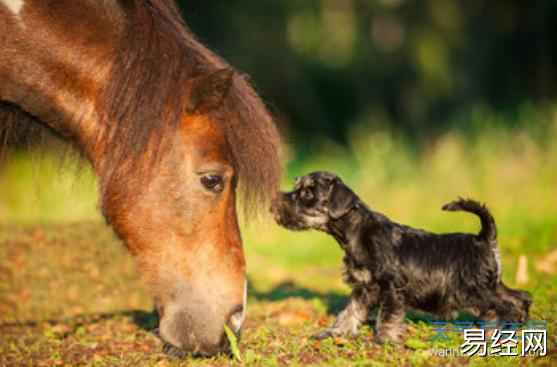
69, 293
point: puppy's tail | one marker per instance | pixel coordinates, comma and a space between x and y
489, 230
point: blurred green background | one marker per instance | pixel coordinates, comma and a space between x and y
418, 66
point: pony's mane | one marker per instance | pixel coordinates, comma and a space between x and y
143, 101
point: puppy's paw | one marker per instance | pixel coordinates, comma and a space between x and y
382, 340
323, 335
335, 333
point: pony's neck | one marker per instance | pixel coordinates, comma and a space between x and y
58, 80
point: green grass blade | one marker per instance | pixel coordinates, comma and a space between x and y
233, 343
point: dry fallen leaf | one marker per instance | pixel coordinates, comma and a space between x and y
163, 363
72, 293
37, 237
317, 344
291, 318
94, 272
339, 342
323, 320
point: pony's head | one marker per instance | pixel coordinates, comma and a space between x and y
174, 134
185, 135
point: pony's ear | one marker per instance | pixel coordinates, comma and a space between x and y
341, 200
207, 91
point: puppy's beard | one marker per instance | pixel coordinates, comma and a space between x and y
287, 217
300, 222
291, 216
315, 222
291, 222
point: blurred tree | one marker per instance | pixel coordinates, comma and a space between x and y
328, 64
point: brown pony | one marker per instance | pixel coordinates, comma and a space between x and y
170, 129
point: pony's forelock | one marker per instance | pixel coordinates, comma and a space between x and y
156, 57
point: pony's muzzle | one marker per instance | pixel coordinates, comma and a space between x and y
199, 330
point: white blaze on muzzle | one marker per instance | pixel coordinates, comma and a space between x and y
15, 6
237, 320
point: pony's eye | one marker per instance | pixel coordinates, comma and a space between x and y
212, 182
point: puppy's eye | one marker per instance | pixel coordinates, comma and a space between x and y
306, 194
212, 182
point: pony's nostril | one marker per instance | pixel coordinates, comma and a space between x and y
236, 318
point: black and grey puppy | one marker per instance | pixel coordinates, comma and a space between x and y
399, 268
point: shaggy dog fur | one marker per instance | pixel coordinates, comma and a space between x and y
399, 268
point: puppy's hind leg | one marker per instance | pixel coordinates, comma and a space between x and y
519, 298
500, 310
350, 319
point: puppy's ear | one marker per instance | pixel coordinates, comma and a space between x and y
341, 200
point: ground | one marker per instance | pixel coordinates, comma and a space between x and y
69, 295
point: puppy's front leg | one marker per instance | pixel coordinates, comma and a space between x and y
350, 319
390, 320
